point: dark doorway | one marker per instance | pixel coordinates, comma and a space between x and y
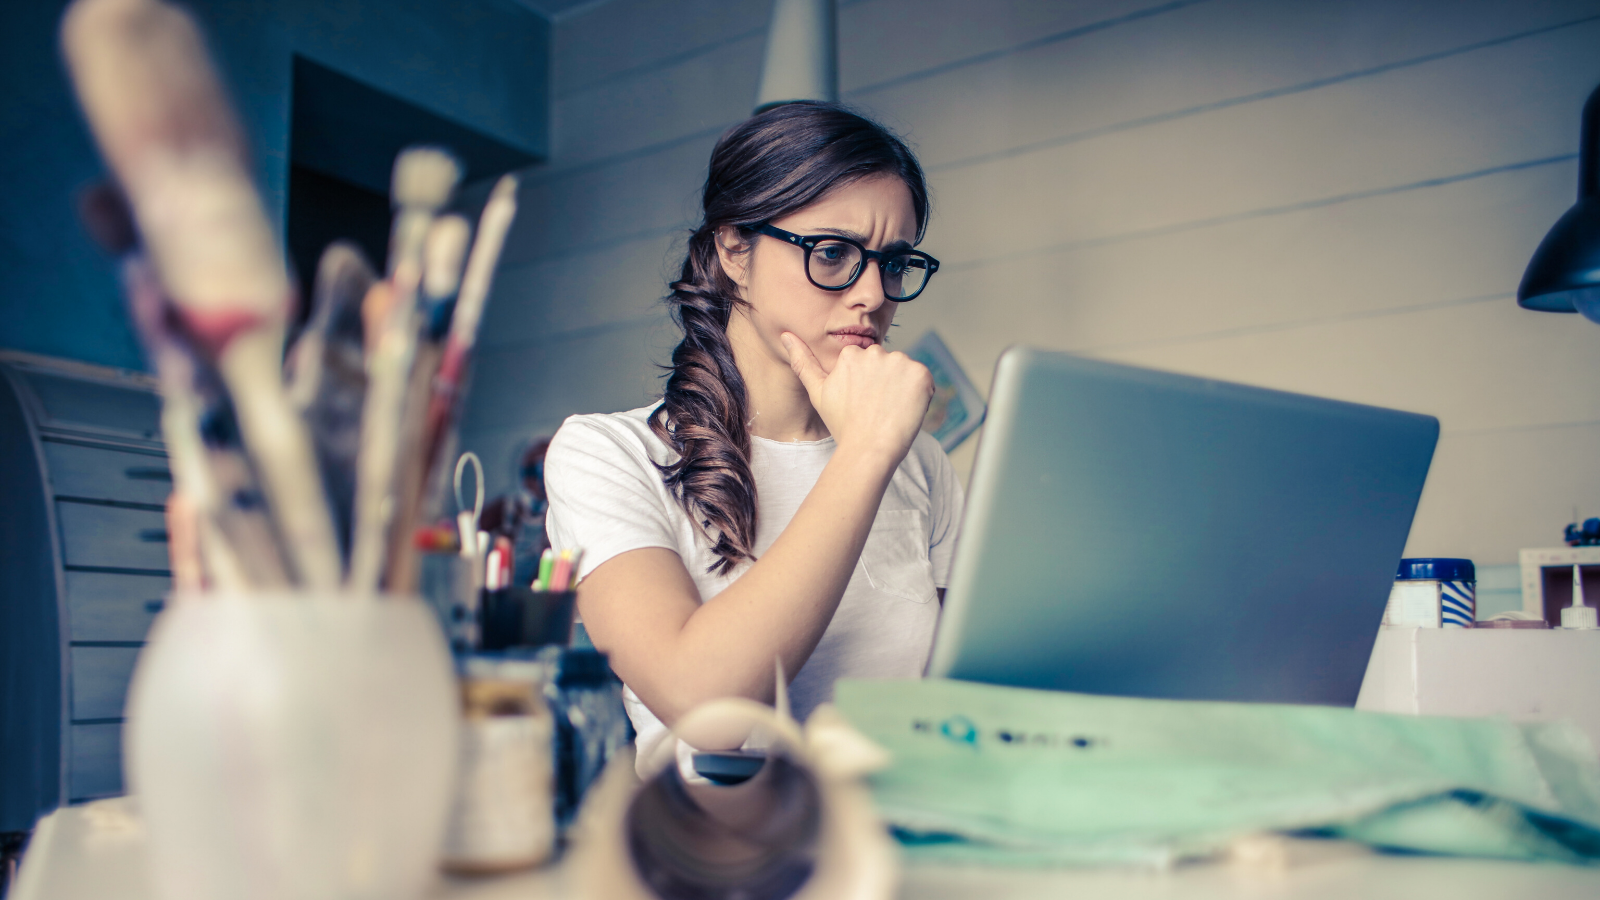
324, 209
343, 138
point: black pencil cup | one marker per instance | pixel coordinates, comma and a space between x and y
522, 617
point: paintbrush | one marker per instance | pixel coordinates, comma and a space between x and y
161, 119
327, 377
424, 178
444, 250
448, 346
210, 469
450, 383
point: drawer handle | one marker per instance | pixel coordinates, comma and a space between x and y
154, 606
153, 535
148, 473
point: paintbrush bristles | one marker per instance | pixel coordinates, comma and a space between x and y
422, 182
423, 178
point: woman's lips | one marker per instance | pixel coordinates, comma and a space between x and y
862, 339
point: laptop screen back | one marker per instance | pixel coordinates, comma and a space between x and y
1141, 533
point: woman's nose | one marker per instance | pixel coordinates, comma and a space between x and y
867, 293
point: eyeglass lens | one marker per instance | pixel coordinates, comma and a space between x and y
835, 263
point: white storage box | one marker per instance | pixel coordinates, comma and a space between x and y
1525, 675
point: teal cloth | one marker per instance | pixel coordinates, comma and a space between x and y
1013, 776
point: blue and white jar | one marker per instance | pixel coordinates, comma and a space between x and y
1433, 593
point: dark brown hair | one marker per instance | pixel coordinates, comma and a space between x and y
765, 168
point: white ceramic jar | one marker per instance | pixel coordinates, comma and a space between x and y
293, 746
1433, 593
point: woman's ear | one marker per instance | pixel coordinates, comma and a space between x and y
733, 252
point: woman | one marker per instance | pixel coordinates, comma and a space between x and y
781, 501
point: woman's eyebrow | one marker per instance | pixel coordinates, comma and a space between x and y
862, 239
844, 232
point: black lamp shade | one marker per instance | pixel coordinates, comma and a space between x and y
1564, 274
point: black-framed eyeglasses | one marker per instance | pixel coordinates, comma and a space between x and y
833, 263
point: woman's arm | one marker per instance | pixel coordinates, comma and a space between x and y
642, 608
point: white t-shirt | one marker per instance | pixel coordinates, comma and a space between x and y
607, 497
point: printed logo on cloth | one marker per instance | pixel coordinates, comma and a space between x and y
959, 729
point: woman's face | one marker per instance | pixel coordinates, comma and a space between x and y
876, 211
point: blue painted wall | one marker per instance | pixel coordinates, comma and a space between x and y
482, 63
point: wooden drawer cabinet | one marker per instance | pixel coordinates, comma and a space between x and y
83, 573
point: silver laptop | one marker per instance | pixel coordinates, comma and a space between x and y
1146, 534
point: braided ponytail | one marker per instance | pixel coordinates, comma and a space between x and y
765, 168
702, 413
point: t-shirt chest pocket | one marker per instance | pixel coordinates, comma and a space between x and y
896, 555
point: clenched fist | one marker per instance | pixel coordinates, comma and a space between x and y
873, 401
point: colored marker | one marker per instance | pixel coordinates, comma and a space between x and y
547, 561
562, 572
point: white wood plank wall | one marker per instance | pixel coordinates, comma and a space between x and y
1329, 196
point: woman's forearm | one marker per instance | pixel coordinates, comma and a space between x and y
676, 652
777, 609
780, 607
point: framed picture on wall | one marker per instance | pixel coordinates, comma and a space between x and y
957, 408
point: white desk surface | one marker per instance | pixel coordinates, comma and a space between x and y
77, 853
